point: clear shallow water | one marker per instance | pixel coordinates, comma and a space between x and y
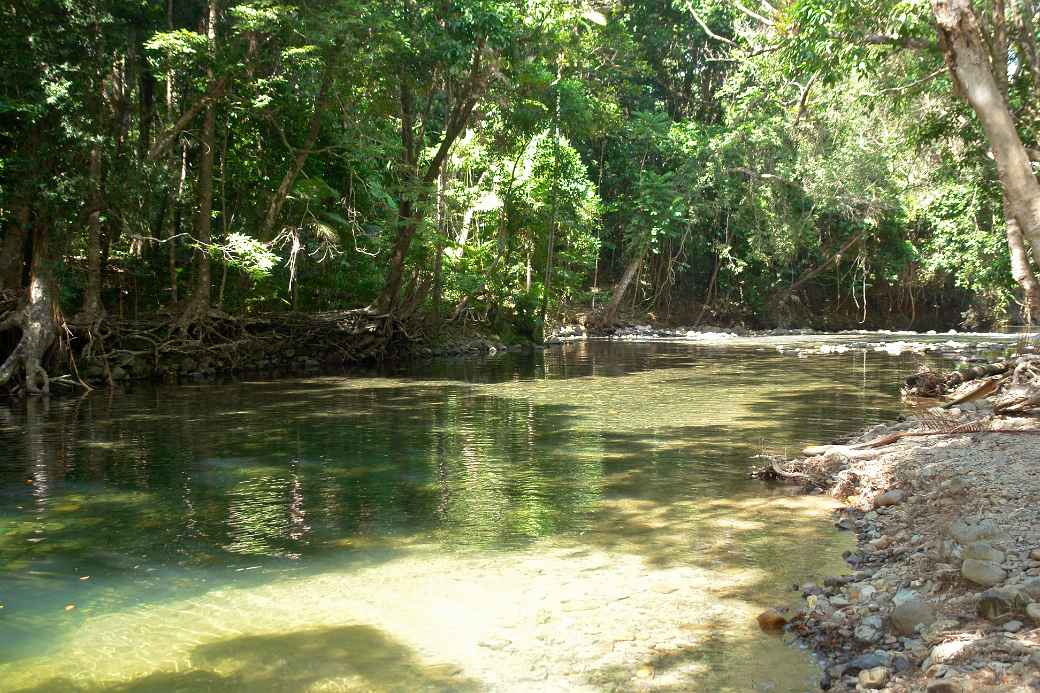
576, 520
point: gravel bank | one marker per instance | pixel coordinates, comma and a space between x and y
944, 595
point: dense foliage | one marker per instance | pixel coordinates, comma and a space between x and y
795, 162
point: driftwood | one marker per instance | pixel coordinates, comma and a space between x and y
1014, 385
895, 437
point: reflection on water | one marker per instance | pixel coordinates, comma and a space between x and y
579, 519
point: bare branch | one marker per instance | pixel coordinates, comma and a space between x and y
897, 41
704, 26
911, 85
753, 14
215, 91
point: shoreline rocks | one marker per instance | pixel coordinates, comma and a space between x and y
944, 582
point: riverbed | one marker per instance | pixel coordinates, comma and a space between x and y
579, 519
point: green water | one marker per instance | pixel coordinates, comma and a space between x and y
579, 520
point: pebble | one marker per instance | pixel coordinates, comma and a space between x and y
983, 573
910, 612
1035, 554
996, 604
893, 497
874, 678
1013, 626
983, 551
1033, 611
869, 630
942, 686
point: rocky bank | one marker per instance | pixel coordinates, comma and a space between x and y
944, 593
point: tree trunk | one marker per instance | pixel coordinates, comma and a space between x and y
410, 214
1020, 267
199, 302
313, 128
967, 59
622, 286
92, 308
12, 251
38, 321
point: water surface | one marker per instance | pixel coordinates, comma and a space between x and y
577, 520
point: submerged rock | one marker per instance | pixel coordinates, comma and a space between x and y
771, 621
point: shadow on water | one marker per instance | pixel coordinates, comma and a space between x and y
358, 658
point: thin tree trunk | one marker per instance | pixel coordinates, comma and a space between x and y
622, 286
178, 215
201, 289
970, 67
410, 214
313, 128
92, 308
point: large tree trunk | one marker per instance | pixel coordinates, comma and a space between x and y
37, 320
199, 302
12, 251
968, 61
610, 313
1020, 267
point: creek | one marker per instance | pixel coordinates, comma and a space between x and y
577, 519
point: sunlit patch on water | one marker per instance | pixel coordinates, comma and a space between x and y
581, 520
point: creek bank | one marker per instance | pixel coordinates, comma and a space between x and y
112, 352
945, 589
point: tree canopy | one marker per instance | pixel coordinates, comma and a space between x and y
827, 164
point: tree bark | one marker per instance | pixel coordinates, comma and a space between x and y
966, 57
37, 320
622, 286
199, 302
1020, 267
12, 251
92, 308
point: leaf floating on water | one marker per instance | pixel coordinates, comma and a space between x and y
70, 607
